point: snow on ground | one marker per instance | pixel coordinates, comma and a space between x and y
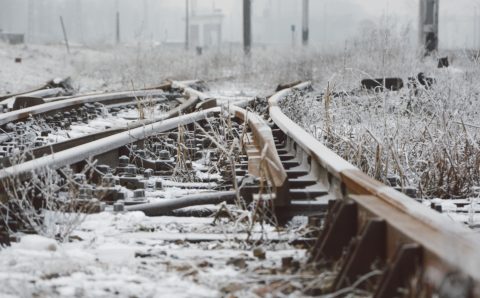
39, 65
129, 67
123, 119
110, 68
466, 211
427, 139
131, 255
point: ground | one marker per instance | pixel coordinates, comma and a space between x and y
123, 68
131, 255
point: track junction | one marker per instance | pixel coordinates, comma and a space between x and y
167, 149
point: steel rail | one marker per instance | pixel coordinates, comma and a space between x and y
70, 103
368, 223
262, 141
374, 222
184, 107
52, 84
77, 150
186, 87
93, 149
264, 153
195, 97
165, 206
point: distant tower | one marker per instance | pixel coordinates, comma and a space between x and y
428, 28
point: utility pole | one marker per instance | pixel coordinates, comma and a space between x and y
65, 37
117, 23
305, 23
118, 28
293, 35
247, 26
187, 25
429, 25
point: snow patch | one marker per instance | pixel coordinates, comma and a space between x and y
36, 242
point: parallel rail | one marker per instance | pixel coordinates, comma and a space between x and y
74, 102
369, 227
102, 149
115, 99
107, 146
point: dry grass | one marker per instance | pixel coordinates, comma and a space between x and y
429, 141
45, 204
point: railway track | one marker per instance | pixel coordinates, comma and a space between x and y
371, 238
68, 122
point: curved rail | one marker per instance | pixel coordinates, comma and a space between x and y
375, 223
368, 225
262, 153
191, 92
184, 107
103, 144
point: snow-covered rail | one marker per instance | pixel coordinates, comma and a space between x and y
144, 147
382, 240
68, 122
66, 104
373, 237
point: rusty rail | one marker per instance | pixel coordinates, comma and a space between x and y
70, 103
41, 91
191, 92
105, 149
183, 108
261, 151
368, 227
371, 226
76, 150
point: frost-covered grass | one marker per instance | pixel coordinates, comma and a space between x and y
375, 53
429, 139
136, 66
419, 138
132, 67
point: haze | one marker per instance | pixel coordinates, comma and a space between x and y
332, 22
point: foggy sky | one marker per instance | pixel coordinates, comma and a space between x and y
331, 21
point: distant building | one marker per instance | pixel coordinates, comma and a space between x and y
206, 28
